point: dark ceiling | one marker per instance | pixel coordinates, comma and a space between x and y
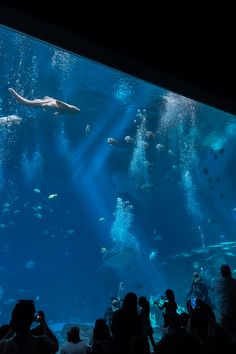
187, 48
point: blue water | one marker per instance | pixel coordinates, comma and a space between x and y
120, 211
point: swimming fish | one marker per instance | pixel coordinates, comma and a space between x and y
9, 120
46, 102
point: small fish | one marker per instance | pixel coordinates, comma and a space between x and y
230, 254
160, 147
171, 153
153, 255
52, 196
87, 129
186, 255
36, 190
70, 232
129, 139
5, 210
9, 120
37, 207
147, 187
112, 141
29, 264
3, 226
101, 219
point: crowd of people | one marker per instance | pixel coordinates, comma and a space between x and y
126, 327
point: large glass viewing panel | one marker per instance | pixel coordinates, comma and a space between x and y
108, 184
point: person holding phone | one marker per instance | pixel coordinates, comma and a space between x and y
20, 338
169, 308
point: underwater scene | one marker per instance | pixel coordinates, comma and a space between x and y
108, 184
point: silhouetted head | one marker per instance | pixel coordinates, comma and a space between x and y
100, 322
225, 271
23, 315
143, 302
170, 295
130, 302
73, 334
101, 330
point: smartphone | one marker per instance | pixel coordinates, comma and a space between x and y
193, 302
38, 317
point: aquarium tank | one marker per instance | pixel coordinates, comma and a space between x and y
108, 184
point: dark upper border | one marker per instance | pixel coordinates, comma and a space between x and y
72, 41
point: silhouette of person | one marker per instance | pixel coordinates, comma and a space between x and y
169, 308
114, 306
19, 337
199, 289
144, 315
101, 339
225, 289
74, 343
126, 324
